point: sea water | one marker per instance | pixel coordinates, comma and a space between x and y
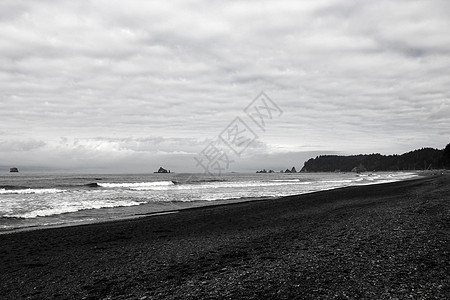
37, 200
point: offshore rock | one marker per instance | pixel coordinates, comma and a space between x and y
162, 170
265, 171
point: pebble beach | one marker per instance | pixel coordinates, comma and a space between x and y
385, 241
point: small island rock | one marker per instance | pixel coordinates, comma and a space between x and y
162, 170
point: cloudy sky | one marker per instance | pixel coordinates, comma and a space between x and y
126, 86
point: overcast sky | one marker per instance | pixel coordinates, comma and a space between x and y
134, 85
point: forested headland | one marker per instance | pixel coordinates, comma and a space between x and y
420, 159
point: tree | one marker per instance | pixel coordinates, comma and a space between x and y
447, 156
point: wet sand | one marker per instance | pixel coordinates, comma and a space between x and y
370, 242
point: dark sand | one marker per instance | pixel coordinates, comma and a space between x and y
374, 242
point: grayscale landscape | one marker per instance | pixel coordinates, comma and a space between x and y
224, 150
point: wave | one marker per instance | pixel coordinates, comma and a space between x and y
205, 184
285, 180
46, 212
31, 191
138, 185
236, 184
337, 181
93, 184
195, 180
13, 187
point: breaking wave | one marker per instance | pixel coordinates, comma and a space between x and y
138, 186
71, 207
31, 191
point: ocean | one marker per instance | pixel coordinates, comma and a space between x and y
36, 200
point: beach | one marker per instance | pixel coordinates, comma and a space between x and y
381, 241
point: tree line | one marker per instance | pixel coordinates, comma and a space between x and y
420, 159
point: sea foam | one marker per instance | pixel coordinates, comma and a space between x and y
31, 191
138, 185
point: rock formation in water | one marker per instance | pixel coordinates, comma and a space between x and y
14, 170
265, 171
162, 170
293, 170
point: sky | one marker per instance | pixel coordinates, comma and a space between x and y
129, 86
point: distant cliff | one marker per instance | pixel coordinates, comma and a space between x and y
422, 159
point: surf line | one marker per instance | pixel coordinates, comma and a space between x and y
159, 213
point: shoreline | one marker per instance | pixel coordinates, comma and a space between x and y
179, 207
204, 204
374, 241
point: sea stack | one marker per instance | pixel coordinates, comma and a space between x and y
162, 170
13, 170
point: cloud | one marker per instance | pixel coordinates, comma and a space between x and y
441, 113
20, 145
350, 76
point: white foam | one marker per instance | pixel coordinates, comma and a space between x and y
338, 181
72, 207
139, 185
233, 184
285, 180
32, 191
